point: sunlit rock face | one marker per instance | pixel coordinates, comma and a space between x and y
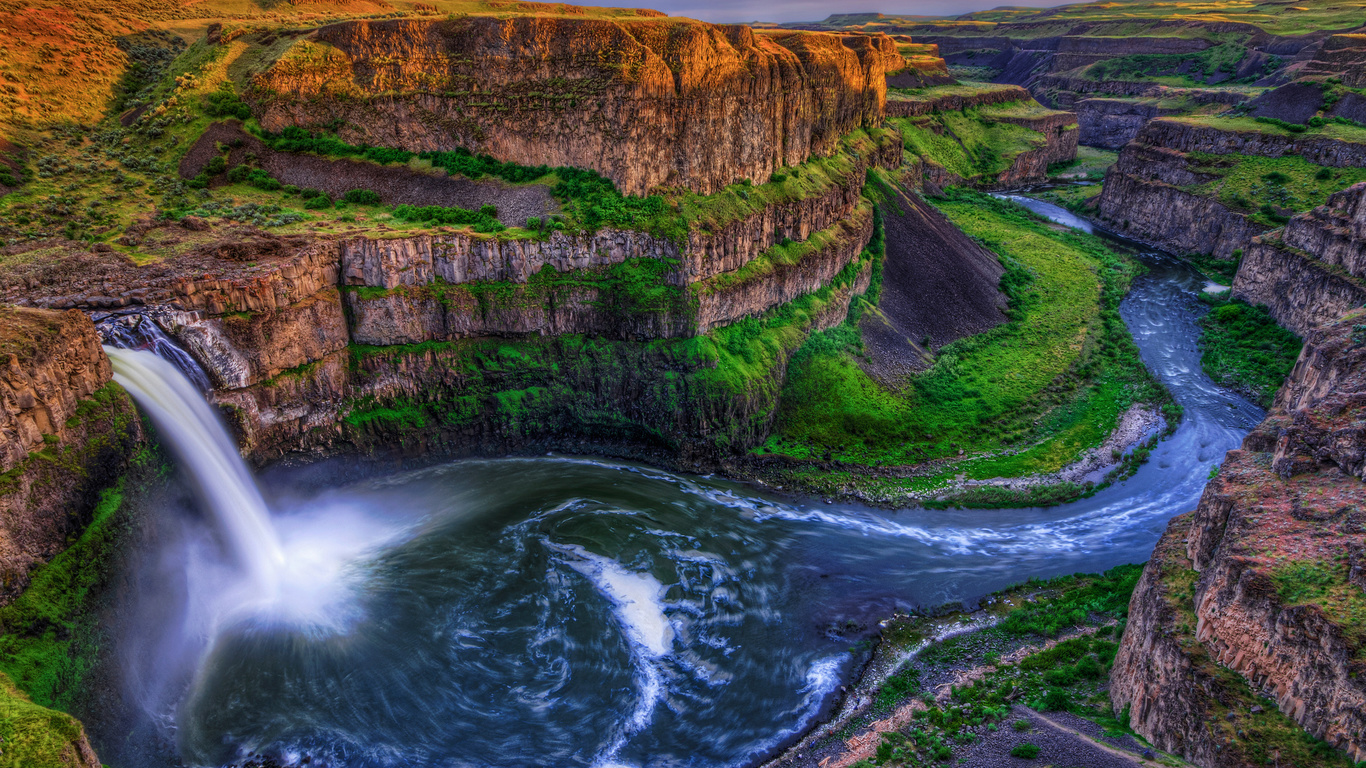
647, 103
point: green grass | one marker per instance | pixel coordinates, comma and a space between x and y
1249, 183
968, 143
1217, 59
1030, 395
1348, 133
1090, 164
1243, 348
33, 736
1069, 676
1326, 585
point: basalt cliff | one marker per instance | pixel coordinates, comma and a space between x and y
1258, 592
648, 103
1175, 184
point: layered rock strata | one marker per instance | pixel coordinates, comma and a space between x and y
1112, 123
1314, 270
1269, 584
647, 103
903, 105
66, 433
1146, 193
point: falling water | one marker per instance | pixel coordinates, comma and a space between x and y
194, 433
138, 331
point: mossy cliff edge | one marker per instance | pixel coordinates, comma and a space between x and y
68, 435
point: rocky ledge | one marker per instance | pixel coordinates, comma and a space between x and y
1261, 589
64, 434
647, 102
1314, 270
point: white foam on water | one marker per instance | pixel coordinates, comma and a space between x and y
638, 606
822, 678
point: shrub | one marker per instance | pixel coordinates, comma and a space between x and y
224, 103
1276, 177
238, 174
361, 197
308, 193
216, 165
1025, 751
778, 178
1324, 174
1020, 725
318, 202
262, 180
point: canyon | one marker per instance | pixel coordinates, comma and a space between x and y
389, 238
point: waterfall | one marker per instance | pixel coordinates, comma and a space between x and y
138, 331
187, 424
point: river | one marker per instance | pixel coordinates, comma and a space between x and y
563, 611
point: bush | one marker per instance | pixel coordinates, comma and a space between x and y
483, 220
308, 193
318, 202
1020, 725
1276, 177
238, 174
361, 197
1324, 174
1025, 751
216, 165
224, 103
262, 180
778, 178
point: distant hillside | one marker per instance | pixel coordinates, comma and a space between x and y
71, 62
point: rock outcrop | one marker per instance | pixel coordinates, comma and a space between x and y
1144, 198
953, 100
1112, 123
66, 432
1268, 587
1149, 193
647, 103
1314, 270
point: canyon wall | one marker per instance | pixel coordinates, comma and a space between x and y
66, 432
1314, 270
448, 340
647, 103
1112, 123
1264, 595
1150, 193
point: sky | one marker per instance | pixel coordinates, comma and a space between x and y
811, 10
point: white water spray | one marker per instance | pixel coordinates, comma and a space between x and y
194, 433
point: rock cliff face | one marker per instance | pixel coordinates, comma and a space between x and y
1146, 192
1142, 197
65, 430
901, 106
1269, 584
646, 103
1312, 272
1112, 123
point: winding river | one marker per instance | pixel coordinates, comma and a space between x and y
563, 611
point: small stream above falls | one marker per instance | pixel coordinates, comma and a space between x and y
563, 611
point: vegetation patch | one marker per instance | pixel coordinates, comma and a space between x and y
1243, 348
1026, 397
1269, 188
969, 143
1325, 584
1070, 675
